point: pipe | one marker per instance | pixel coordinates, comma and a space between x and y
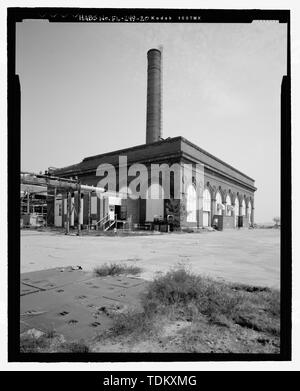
92, 188
81, 210
72, 210
49, 177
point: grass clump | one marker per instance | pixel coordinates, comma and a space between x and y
132, 321
30, 344
114, 269
50, 342
74, 347
189, 294
252, 307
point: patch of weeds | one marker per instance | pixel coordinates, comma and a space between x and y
131, 322
51, 333
188, 230
55, 344
272, 302
113, 269
249, 288
259, 309
74, 347
257, 318
220, 320
30, 344
189, 293
216, 307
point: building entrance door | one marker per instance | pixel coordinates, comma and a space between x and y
205, 219
118, 211
111, 212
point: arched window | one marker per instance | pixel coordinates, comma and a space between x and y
206, 208
191, 204
243, 208
219, 203
228, 206
236, 211
206, 200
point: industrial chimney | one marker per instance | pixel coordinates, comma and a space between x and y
153, 131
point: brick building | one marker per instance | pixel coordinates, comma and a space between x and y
212, 193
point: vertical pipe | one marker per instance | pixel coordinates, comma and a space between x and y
89, 210
54, 203
68, 213
72, 210
153, 130
79, 210
80, 216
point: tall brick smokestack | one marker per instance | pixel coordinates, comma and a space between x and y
153, 131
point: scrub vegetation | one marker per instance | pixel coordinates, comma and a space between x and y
185, 312
50, 342
180, 312
114, 269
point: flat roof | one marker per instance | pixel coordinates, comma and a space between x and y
89, 159
214, 157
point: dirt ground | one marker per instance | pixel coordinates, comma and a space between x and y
245, 256
75, 303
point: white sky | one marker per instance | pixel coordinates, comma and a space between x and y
84, 92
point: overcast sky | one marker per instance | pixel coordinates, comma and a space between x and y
83, 91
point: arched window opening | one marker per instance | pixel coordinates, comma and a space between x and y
243, 208
236, 211
206, 208
219, 204
191, 204
228, 206
206, 201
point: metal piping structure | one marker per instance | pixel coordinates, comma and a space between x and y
70, 187
66, 185
31, 178
153, 127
